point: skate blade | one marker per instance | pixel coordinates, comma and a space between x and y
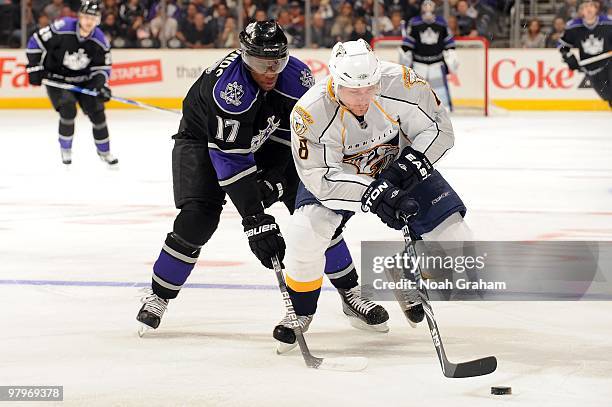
359, 324
344, 364
143, 329
282, 347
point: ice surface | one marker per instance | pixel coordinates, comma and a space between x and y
76, 244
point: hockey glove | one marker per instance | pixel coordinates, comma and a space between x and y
387, 201
104, 93
409, 169
570, 60
265, 238
36, 74
271, 188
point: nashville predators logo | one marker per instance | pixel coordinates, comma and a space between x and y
373, 161
411, 78
300, 120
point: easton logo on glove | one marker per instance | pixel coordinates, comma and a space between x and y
261, 229
371, 194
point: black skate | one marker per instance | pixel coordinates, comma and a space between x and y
363, 313
284, 334
108, 158
66, 156
151, 312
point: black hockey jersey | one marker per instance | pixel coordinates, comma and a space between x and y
427, 39
590, 40
66, 56
226, 109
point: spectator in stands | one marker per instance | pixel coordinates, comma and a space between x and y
452, 26
361, 31
533, 38
485, 17
569, 10
465, 23
129, 11
217, 22
112, 30
111, 7
295, 37
67, 12
383, 23
199, 35
297, 16
261, 15
343, 24
248, 11
327, 12
555, 33
396, 25
276, 7
229, 37
321, 37
410, 9
53, 10
163, 29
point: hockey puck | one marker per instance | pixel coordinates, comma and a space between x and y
501, 390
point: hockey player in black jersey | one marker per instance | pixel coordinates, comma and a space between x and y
428, 47
234, 139
592, 35
75, 51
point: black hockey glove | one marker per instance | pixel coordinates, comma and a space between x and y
387, 201
265, 238
35, 75
271, 187
104, 93
409, 169
571, 61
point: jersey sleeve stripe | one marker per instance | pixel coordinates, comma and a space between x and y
229, 150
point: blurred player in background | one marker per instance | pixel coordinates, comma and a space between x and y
592, 35
75, 51
428, 47
365, 140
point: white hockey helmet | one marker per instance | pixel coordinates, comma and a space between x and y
353, 64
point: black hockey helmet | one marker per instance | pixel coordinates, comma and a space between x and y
264, 47
91, 7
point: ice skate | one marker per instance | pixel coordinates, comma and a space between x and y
108, 158
66, 156
363, 313
284, 334
151, 312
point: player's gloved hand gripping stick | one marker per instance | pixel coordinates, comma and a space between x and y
346, 364
94, 93
478, 367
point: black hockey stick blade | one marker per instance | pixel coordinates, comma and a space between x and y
473, 368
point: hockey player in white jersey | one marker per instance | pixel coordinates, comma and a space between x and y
366, 139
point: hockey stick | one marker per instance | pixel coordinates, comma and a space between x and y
345, 364
597, 58
478, 367
90, 92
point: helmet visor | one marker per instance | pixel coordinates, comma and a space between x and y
265, 65
358, 96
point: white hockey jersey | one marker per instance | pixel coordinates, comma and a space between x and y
337, 157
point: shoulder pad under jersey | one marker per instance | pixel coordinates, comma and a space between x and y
64, 26
576, 22
441, 21
99, 38
295, 79
235, 92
